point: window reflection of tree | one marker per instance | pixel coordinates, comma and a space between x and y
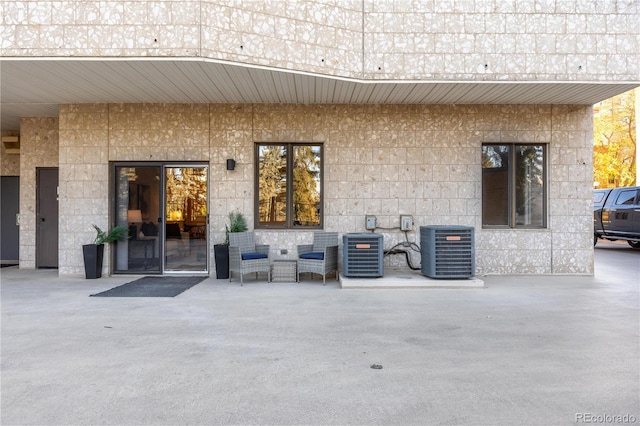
278, 163
513, 184
186, 192
495, 156
529, 183
306, 182
272, 184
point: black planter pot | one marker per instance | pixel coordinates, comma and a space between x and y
93, 255
221, 252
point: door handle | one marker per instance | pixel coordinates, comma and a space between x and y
42, 219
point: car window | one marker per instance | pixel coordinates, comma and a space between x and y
626, 197
598, 196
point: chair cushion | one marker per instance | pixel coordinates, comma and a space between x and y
172, 230
251, 256
149, 229
313, 255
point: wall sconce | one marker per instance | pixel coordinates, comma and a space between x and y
231, 164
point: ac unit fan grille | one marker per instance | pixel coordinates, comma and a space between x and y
362, 255
447, 252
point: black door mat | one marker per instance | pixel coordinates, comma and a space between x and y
153, 287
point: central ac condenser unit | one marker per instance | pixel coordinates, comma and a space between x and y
362, 255
447, 251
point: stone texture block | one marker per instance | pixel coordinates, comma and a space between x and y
378, 39
382, 160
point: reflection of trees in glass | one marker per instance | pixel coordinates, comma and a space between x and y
513, 184
306, 183
495, 156
289, 175
495, 185
186, 192
125, 174
272, 184
529, 182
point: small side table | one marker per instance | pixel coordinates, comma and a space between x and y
284, 270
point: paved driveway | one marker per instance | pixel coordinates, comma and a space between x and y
523, 350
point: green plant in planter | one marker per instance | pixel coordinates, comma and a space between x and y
237, 223
117, 233
93, 253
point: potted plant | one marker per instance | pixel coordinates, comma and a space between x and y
237, 223
93, 253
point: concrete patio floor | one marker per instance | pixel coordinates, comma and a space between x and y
520, 350
407, 278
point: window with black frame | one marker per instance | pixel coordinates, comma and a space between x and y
514, 185
288, 185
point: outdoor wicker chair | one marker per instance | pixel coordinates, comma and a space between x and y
246, 256
320, 257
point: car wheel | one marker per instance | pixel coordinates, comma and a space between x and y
634, 244
595, 240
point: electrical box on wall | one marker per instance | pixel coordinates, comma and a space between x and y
406, 222
370, 222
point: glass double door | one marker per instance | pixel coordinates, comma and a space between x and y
165, 209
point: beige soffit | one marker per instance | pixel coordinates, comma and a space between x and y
36, 86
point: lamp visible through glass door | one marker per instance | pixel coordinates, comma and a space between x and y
134, 217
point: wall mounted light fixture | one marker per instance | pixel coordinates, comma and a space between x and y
231, 164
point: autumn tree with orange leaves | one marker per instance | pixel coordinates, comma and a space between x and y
614, 142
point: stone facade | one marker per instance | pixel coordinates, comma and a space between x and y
385, 160
38, 148
501, 40
373, 39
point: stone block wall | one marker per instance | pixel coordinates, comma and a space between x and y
386, 160
501, 40
478, 40
39, 147
571, 197
92, 136
150, 132
84, 181
323, 37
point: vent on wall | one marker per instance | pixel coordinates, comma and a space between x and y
447, 251
362, 255
11, 144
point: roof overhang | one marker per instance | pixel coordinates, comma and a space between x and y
32, 87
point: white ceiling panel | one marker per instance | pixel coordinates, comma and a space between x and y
284, 86
35, 86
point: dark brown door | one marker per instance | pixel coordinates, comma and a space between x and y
46, 218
